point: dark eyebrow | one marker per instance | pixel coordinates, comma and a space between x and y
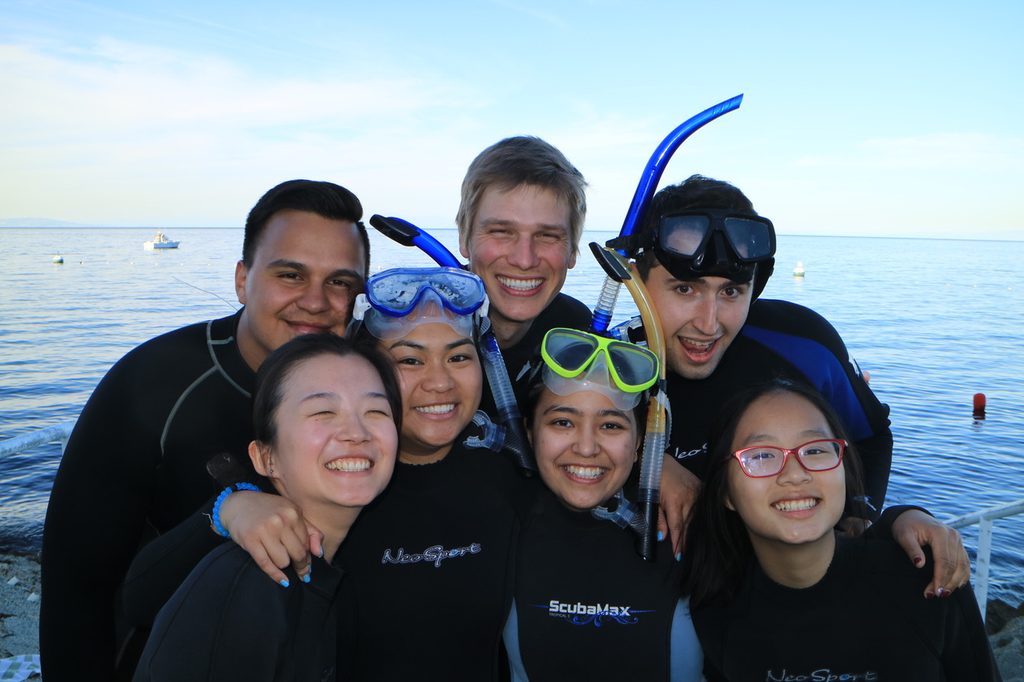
330, 395
315, 396
813, 434
295, 265
562, 408
404, 342
419, 346
614, 413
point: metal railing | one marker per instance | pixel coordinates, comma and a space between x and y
984, 520
32, 439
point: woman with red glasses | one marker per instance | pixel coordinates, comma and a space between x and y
777, 594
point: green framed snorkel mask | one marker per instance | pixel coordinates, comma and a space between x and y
644, 521
581, 361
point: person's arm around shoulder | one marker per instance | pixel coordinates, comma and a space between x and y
273, 531
913, 528
679, 490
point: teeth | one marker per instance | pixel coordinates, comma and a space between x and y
436, 409
796, 505
520, 284
698, 345
584, 472
349, 464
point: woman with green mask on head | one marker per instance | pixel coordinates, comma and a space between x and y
587, 605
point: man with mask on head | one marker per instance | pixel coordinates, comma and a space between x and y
705, 257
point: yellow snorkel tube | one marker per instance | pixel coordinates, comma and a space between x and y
658, 414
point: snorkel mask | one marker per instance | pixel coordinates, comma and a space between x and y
400, 299
697, 243
580, 361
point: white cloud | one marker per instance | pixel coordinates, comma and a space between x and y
953, 151
111, 125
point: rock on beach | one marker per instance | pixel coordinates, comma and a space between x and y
19, 614
19, 618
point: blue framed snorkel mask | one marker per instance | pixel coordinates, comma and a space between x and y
401, 298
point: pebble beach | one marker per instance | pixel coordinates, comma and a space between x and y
19, 624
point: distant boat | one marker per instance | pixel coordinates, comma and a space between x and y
160, 241
799, 271
58, 259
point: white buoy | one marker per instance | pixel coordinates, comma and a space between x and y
798, 270
57, 259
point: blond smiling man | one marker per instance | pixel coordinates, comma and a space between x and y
520, 221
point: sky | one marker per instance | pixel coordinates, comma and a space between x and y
869, 118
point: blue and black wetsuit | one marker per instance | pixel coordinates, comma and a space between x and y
782, 339
587, 607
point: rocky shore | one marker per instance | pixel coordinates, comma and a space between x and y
19, 623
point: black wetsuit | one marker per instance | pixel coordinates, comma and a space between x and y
429, 570
135, 465
229, 621
865, 620
782, 339
587, 607
564, 311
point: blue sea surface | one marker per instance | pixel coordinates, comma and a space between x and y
933, 321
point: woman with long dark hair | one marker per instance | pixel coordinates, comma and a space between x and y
777, 593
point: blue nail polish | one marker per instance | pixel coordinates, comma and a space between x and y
661, 536
679, 556
305, 578
284, 582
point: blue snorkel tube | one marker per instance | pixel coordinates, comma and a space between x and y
407, 234
642, 197
658, 420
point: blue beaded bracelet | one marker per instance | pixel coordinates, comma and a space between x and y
218, 527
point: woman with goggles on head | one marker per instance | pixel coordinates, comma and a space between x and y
427, 579
777, 593
587, 606
430, 562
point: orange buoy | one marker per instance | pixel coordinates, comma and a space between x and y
979, 405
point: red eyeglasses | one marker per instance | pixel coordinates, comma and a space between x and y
762, 461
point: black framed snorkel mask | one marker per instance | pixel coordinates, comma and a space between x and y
710, 242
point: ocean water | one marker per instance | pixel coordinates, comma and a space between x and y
933, 321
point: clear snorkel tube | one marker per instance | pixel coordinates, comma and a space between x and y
658, 415
509, 419
642, 197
